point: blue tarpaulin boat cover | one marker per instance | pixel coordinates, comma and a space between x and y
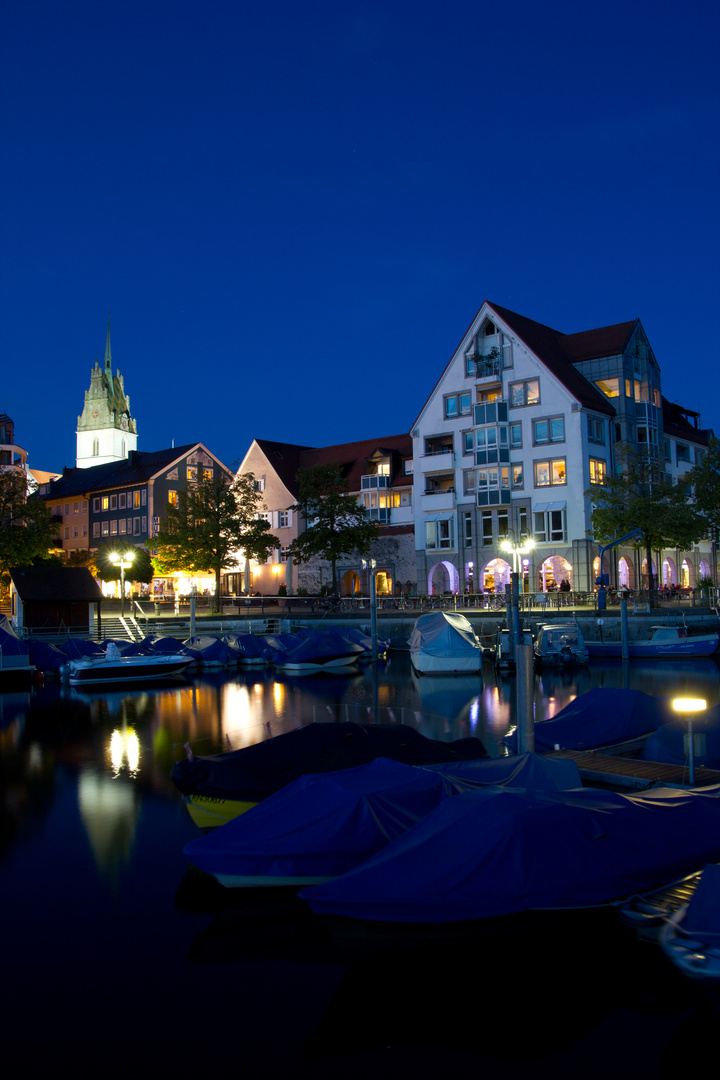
321, 825
319, 646
325, 824
257, 771
598, 718
496, 851
9, 641
444, 640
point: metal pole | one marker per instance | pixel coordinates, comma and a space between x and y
122, 589
524, 683
691, 750
192, 616
624, 652
373, 616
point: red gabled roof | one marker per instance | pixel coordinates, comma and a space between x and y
559, 352
287, 458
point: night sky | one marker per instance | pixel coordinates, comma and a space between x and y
293, 210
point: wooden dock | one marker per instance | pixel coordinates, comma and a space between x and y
616, 771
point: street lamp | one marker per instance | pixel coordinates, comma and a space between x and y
518, 548
124, 561
687, 707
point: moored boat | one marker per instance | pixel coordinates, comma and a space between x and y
322, 825
112, 667
217, 788
443, 643
560, 645
668, 642
499, 851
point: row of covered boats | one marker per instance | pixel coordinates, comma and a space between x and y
431, 834
85, 662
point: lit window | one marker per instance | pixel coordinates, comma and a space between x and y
106, 528
207, 475
525, 393
550, 472
106, 502
598, 471
192, 472
518, 479
609, 387
172, 498
136, 498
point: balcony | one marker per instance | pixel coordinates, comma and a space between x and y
374, 480
438, 499
441, 454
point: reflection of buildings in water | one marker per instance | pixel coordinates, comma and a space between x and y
109, 811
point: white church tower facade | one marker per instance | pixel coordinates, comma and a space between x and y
106, 431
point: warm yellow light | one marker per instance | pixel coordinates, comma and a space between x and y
689, 705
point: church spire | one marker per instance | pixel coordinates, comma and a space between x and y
108, 354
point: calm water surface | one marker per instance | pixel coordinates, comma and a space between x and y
117, 958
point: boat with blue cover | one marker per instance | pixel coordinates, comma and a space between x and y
690, 937
444, 643
500, 851
323, 825
218, 787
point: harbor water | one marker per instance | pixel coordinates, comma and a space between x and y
118, 958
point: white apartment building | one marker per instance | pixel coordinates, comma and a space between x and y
522, 422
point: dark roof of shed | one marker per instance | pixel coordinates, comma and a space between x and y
677, 423
55, 583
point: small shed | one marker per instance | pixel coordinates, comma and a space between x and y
59, 598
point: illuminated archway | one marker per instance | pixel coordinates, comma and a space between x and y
704, 568
554, 570
443, 578
669, 572
350, 584
626, 574
687, 575
496, 575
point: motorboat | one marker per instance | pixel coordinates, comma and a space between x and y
113, 667
219, 787
505, 648
444, 643
499, 851
560, 645
668, 642
690, 937
322, 825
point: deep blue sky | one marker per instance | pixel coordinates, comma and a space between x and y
293, 210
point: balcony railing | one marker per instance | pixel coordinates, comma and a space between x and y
374, 480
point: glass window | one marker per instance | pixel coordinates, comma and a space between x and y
96, 528
683, 452
609, 387
457, 405
596, 430
517, 476
549, 431
598, 471
192, 472
469, 481
136, 526
467, 528
106, 528
121, 501
525, 393
516, 435
96, 506
113, 528
136, 498
487, 528
122, 526
550, 472
113, 502
106, 502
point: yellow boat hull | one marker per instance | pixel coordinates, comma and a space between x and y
208, 812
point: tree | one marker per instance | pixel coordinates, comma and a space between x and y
26, 525
142, 568
336, 523
211, 523
639, 498
705, 479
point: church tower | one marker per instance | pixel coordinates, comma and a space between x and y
105, 431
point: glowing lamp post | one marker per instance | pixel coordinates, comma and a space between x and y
518, 548
124, 561
687, 707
